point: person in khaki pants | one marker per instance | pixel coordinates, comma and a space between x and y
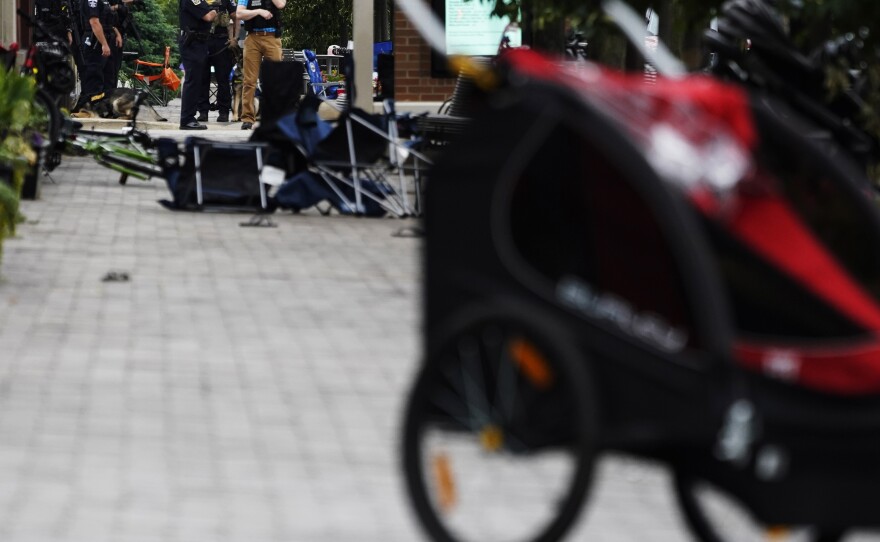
262, 22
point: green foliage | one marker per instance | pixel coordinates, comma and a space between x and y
816, 20
585, 12
316, 24
8, 212
157, 25
17, 93
308, 24
16, 155
548, 18
16, 114
811, 23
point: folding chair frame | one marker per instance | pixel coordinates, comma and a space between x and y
258, 149
397, 205
315, 77
147, 82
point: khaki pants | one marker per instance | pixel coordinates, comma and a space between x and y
256, 48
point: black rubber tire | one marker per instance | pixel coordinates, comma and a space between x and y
572, 378
698, 523
52, 129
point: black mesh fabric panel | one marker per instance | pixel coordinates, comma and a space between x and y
282, 86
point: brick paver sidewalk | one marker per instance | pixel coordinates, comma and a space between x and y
246, 384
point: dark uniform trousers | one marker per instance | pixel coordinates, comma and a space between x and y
220, 57
95, 68
115, 64
194, 57
111, 74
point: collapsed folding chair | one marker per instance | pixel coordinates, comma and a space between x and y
213, 175
348, 164
156, 79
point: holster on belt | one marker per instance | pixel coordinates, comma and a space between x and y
190, 37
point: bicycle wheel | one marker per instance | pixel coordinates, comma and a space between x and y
499, 435
73, 95
48, 124
712, 515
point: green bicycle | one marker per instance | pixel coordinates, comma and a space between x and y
131, 152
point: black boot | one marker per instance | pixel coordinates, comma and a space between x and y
223, 116
80, 103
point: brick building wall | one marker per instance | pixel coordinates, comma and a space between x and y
412, 66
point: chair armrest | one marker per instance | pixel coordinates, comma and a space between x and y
152, 64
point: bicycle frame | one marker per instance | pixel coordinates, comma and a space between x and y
129, 152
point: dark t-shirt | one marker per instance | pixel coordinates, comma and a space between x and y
191, 13
99, 9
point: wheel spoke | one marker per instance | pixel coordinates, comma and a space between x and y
472, 376
449, 403
473, 414
506, 393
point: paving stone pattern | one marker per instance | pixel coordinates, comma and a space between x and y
246, 384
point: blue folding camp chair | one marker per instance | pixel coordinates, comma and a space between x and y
321, 88
349, 164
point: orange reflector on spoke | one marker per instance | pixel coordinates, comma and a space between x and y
444, 482
531, 363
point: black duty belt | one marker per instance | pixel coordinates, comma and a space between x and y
195, 36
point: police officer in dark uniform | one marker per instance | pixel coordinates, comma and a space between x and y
95, 48
196, 17
221, 58
120, 14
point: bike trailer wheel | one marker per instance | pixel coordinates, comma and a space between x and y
500, 433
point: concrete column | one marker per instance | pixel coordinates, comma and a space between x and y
8, 19
363, 53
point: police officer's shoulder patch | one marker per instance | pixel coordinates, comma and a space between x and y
196, 2
93, 3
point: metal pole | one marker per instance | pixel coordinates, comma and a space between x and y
8, 22
363, 53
